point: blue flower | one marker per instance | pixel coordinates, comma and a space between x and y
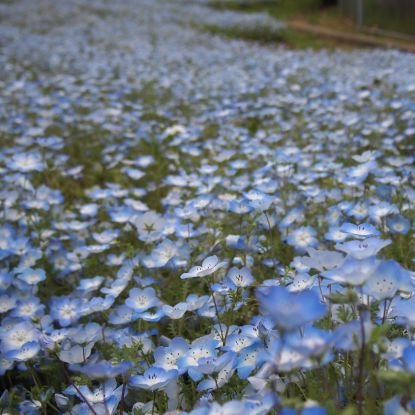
363, 249
290, 310
26, 162
200, 348
362, 231
166, 357
102, 369
154, 378
26, 352
248, 360
141, 300
66, 310
388, 278
302, 238
209, 266
16, 336
398, 224
32, 276
239, 278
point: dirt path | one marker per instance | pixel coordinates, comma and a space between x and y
358, 38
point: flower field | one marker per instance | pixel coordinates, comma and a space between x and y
193, 224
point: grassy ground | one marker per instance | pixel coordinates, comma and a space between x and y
311, 11
283, 10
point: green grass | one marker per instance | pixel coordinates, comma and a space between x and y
282, 10
314, 11
391, 19
264, 35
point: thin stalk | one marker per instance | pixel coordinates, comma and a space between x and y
360, 377
68, 378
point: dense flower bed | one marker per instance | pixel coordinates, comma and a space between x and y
201, 225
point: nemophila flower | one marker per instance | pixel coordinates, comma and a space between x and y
29, 407
5, 364
141, 300
398, 224
201, 347
235, 242
104, 398
221, 378
74, 353
398, 406
403, 310
321, 260
164, 253
395, 349
229, 408
144, 161
18, 334
151, 315
134, 174
290, 310
90, 284
363, 249
102, 369
32, 276
115, 260
89, 209
334, 234
29, 259
312, 341
302, 281
65, 310
116, 288
83, 334
353, 271
122, 315
358, 211
19, 246
194, 302
188, 212
26, 162
258, 200
154, 378
248, 360
106, 237
149, 225
166, 357
296, 214
210, 365
28, 308
408, 359
7, 303
240, 206
209, 266
237, 342
26, 352
380, 210
6, 279
362, 231
286, 357
302, 238
175, 312
97, 304
349, 336
239, 278
121, 214
387, 279
35, 204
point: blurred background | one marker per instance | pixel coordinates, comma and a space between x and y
382, 19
